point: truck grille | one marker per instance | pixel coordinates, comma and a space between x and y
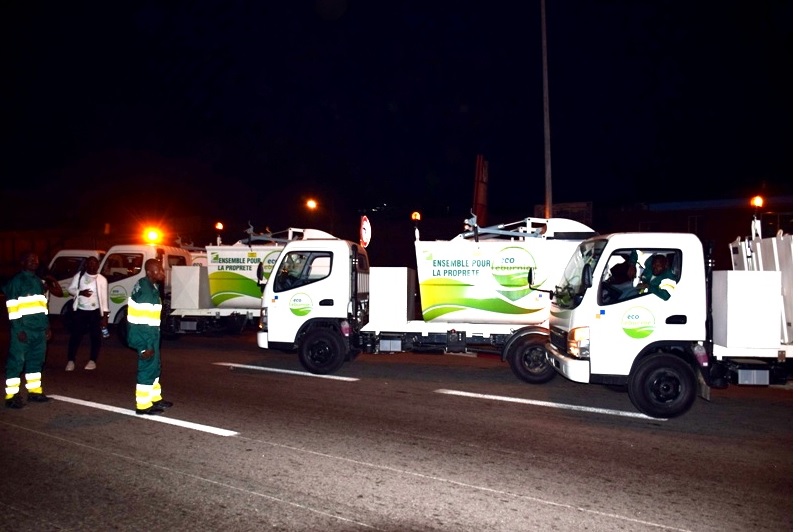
558, 338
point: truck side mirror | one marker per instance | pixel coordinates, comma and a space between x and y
587, 277
530, 277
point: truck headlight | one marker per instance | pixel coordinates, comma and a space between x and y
578, 344
263, 324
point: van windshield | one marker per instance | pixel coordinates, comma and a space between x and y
118, 266
65, 267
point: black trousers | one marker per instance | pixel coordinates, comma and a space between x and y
85, 321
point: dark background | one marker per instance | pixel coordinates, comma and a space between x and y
122, 113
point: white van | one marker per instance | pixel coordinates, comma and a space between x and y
63, 266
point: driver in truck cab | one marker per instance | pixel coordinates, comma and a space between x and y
660, 280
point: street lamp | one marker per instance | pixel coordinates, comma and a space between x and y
314, 205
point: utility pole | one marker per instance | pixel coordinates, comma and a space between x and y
546, 134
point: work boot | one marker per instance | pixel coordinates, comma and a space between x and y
151, 411
15, 402
163, 404
37, 398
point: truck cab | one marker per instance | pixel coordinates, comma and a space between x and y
606, 332
314, 302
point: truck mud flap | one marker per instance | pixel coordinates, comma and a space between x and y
703, 387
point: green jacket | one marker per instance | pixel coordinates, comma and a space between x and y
144, 316
26, 301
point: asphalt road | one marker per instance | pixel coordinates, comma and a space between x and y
393, 442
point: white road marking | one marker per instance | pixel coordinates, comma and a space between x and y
548, 404
290, 372
158, 418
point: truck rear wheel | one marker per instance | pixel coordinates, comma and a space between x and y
527, 358
322, 351
663, 386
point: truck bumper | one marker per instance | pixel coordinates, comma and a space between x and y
570, 368
263, 339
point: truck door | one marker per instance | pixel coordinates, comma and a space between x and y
304, 289
629, 319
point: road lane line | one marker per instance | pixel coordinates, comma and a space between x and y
158, 418
549, 405
290, 372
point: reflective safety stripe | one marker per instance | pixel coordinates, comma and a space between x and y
143, 392
33, 382
155, 393
144, 313
12, 386
26, 306
669, 285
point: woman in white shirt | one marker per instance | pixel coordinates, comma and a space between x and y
90, 308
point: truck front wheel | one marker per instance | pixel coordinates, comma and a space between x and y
527, 358
663, 386
322, 351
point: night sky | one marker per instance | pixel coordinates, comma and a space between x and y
240, 110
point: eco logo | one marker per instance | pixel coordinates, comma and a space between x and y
117, 294
300, 305
268, 263
638, 322
510, 268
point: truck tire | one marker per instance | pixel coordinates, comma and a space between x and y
527, 358
322, 351
663, 386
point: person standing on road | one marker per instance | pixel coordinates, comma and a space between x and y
90, 308
26, 299
144, 335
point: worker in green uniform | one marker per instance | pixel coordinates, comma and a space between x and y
660, 280
144, 335
26, 300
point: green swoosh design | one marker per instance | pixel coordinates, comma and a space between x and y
225, 286
444, 296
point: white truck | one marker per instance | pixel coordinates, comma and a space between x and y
223, 294
325, 301
123, 266
63, 266
717, 327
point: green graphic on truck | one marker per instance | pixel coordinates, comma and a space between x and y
300, 304
638, 322
233, 274
483, 283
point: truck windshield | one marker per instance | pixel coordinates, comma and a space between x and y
569, 291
